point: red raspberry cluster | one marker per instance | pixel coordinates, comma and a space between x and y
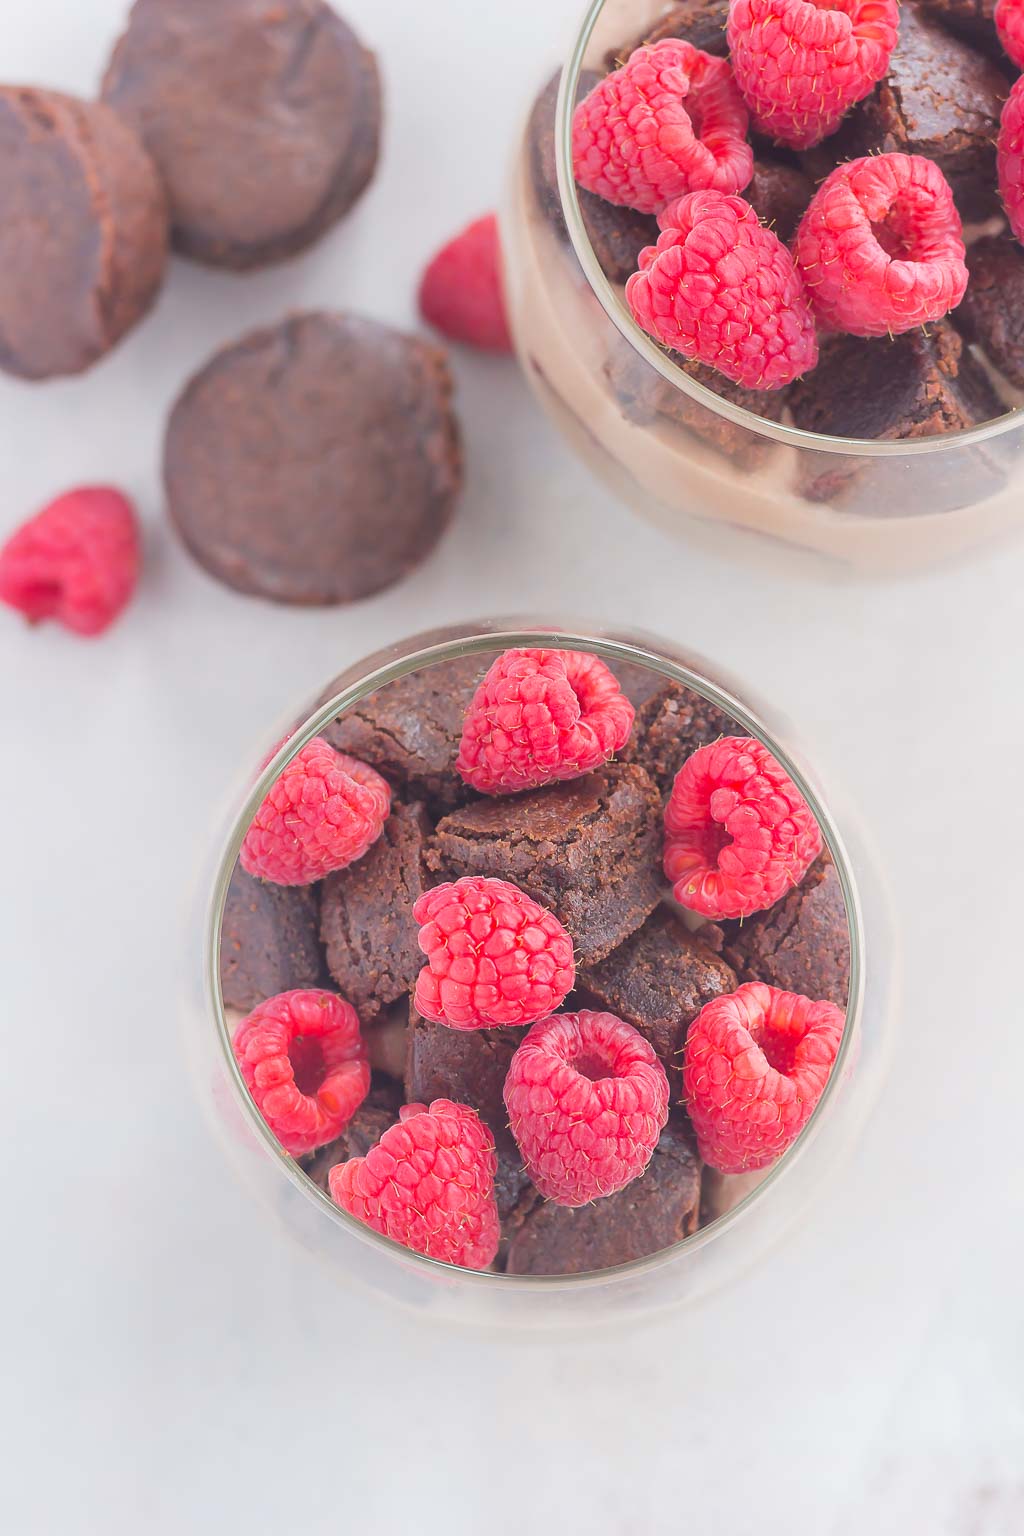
587, 1097
880, 249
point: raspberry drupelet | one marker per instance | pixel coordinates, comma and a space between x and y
322, 813
755, 1065
1009, 19
587, 1099
428, 1184
305, 1064
494, 956
462, 292
76, 561
1010, 159
670, 120
881, 247
539, 716
738, 832
722, 290
800, 66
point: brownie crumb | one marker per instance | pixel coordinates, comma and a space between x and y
589, 850
802, 943
922, 384
410, 730
700, 22
269, 941
645, 397
992, 313
970, 19
669, 728
941, 98
658, 981
366, 916
779, 195
653, 1212
469, 1066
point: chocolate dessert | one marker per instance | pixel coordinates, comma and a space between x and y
992, 313
366, 915
316, 461
802, 944
269, 941
669, 728
264, 120
83, 240
587, 849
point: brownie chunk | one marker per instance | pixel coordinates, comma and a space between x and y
376, 1114
366, 917
470, 1067
669, 728
264, 120
648, 399
941, 98
269, 941
83, 239
992, 313
658, 981
658, 1209
971, 19
779, 194
410, 730
922, 384
700, 22
315, 461
802, 943
588, 850
618, 235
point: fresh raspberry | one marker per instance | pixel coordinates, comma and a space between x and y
738, 832
323, 813
1011, 158
721, 289
462, 292
755, 1064
304, 1062
881, 247
428, 1184
540, 716
801, 65
494, 956
587, 1099
1009, 19
76, 561
635, 143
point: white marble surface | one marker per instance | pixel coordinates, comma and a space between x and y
168, 1366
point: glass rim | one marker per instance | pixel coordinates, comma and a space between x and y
452, 643
648, 349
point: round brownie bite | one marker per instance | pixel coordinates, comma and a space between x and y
264, 119
315, 461
83, 240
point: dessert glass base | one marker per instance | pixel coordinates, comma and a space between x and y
677, 451
743, 1216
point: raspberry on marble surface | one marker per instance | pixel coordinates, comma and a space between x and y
303, 1059
755, 1065
738, 832
323, 812
462, 290
77, 561
428, 1184
587, 1100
